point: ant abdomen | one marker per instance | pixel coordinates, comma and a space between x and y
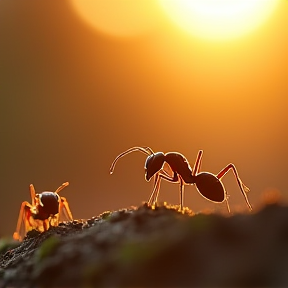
210, 187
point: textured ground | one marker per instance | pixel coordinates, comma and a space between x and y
146, 247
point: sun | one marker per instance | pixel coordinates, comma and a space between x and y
218, 19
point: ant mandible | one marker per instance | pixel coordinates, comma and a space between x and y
207, 184
46, 210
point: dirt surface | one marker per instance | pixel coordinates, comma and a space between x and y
144, 247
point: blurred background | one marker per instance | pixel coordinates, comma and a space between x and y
82, 81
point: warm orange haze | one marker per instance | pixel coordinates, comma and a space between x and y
208, 19
82, 81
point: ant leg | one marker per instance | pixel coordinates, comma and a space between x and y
156, 184
244, 189
23, 223
61, 187
64, 210
146, 150
181, 193
156, 192
227, 203
175, 179
156, 188
46, 224
197, 164
32, 193
164, 175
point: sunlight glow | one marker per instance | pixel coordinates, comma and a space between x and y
118, 17
218, 19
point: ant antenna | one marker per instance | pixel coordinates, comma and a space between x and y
61, 187
146, 150
150, 150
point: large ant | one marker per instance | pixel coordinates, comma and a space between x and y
207, 184
46, 210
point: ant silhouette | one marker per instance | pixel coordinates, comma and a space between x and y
46, 210
207, 184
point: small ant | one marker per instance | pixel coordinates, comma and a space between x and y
46, 210
207, 184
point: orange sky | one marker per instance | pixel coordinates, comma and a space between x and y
73, 98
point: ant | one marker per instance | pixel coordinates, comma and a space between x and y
207, 184
46, 210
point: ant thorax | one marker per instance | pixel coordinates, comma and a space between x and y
180, 165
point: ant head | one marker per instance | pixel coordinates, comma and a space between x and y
153, 164
50, 202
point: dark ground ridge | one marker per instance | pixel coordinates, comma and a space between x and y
146, 247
